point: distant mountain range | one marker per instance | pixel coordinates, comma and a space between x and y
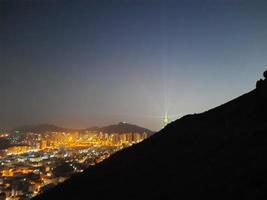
116, 128
40, 128
120, 128
218, 154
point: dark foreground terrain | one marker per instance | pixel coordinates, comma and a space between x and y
218, 154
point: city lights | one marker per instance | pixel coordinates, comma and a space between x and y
35, 162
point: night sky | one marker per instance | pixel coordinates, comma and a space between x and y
94, 62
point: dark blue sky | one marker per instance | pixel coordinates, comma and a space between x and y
84, 63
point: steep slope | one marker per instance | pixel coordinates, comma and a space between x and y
218, 154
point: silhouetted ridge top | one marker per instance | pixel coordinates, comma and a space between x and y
41, 128
261, 84
218, 154
122, 127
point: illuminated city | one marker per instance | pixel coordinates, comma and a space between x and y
36, 162
133, 99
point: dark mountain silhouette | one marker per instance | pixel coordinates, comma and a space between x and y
116, 128
40, 128
120, 128
218, 154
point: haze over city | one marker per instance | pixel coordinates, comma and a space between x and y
93, 63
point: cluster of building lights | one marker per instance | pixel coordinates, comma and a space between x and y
34, 162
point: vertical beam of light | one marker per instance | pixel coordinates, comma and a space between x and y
164, 60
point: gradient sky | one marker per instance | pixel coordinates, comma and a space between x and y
95, 62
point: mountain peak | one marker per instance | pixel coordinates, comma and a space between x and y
122, 127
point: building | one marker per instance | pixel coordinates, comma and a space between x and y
2, 196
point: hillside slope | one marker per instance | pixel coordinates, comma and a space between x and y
218, 154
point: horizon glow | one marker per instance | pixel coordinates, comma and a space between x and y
94, 63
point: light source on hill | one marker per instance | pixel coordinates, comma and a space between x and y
165, 121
